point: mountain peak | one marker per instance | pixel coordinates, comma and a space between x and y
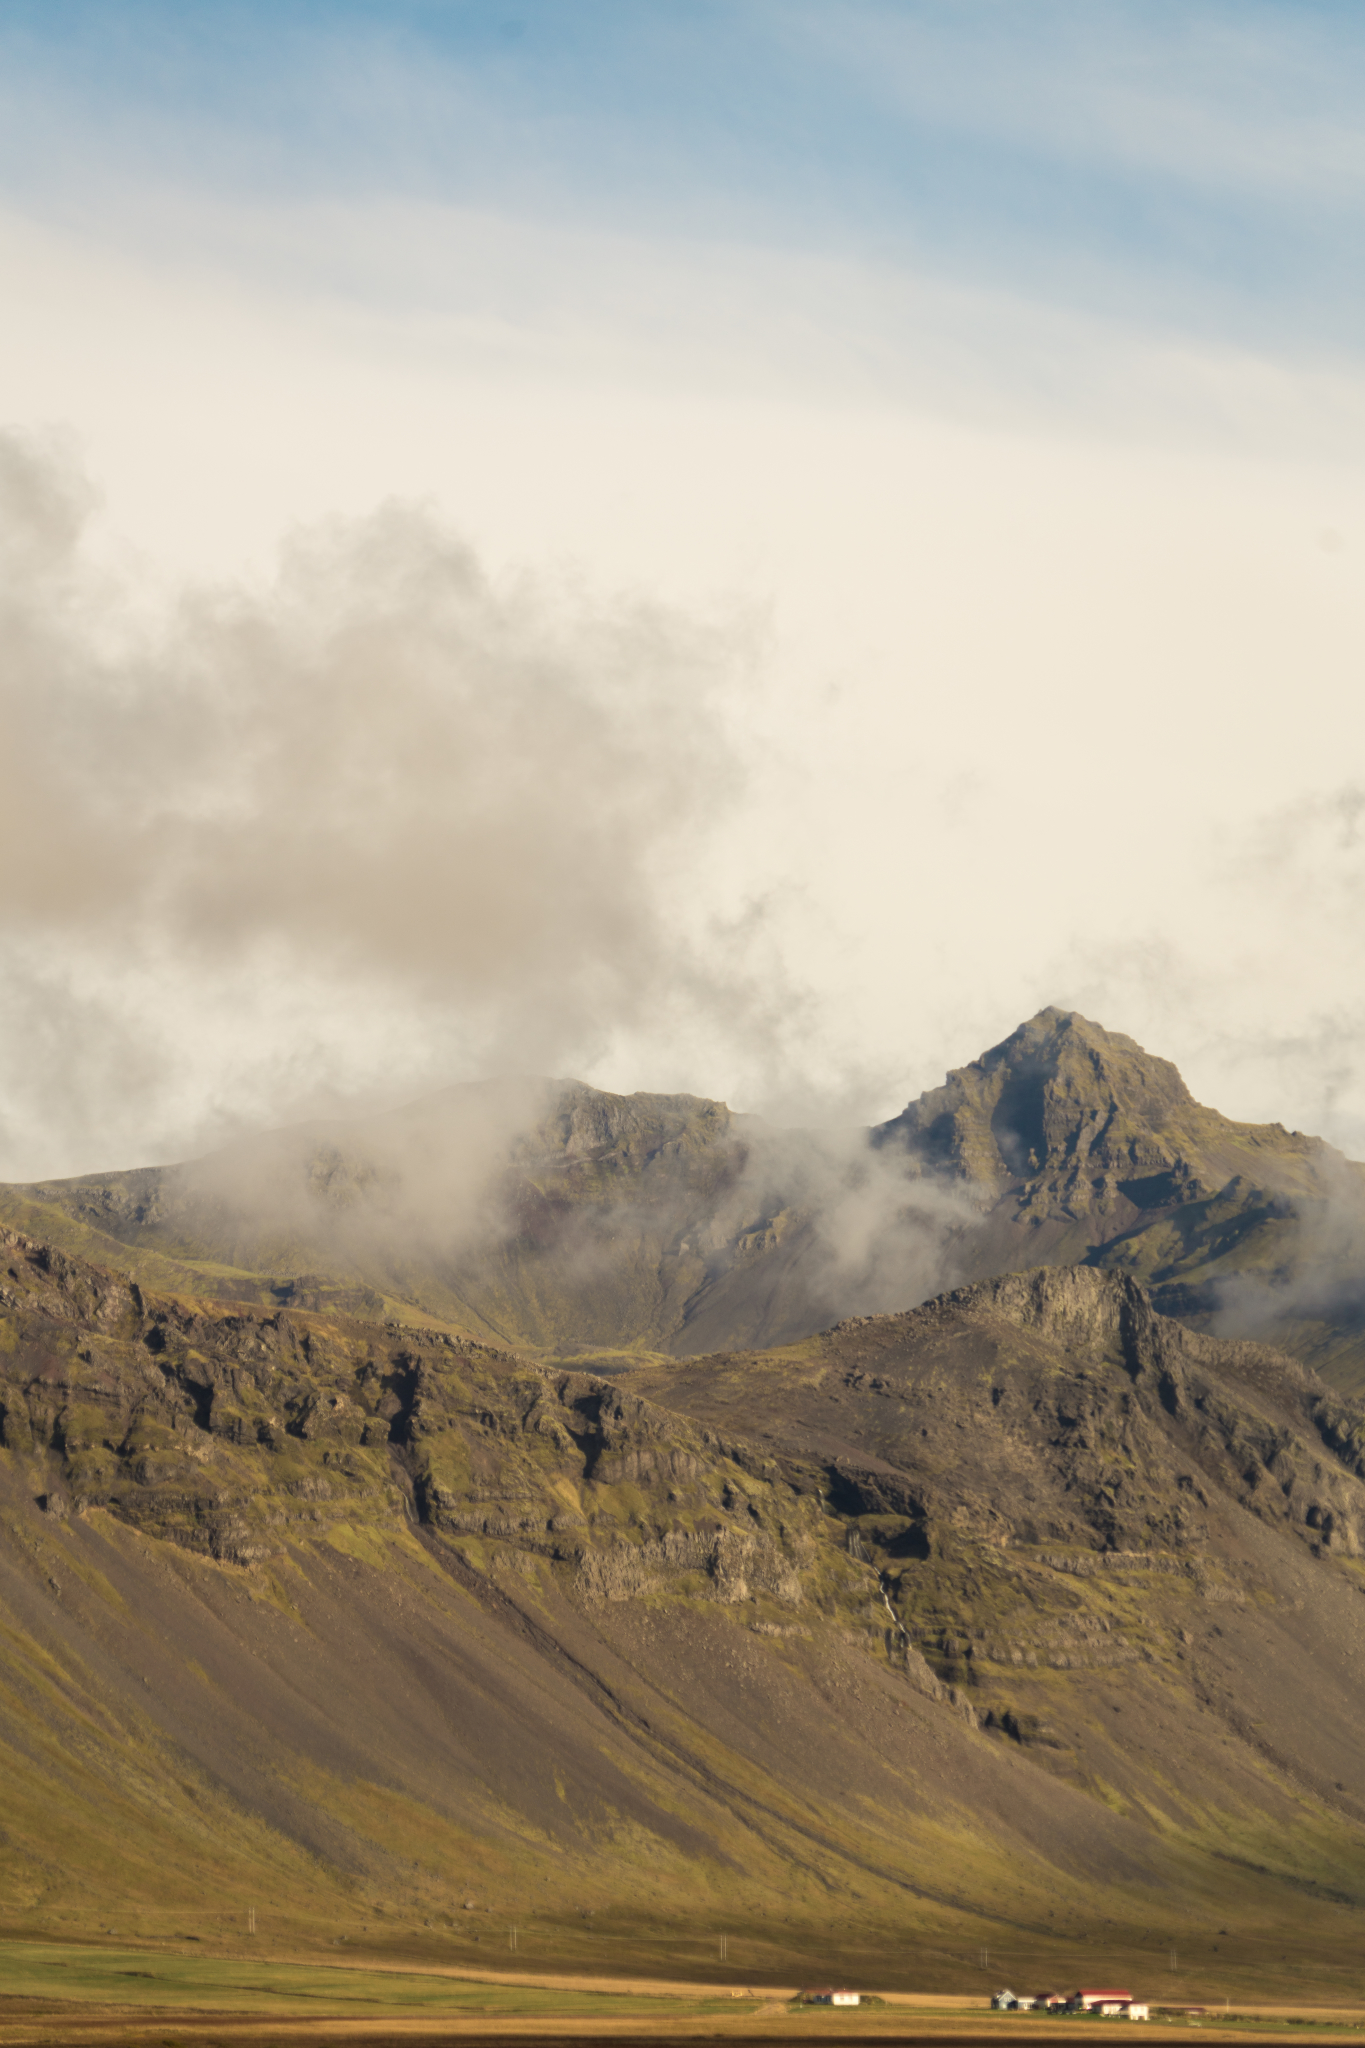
1058, 1085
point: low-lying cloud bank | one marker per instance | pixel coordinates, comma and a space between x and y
388, 820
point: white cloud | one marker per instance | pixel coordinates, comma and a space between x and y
1050, 625
381, 815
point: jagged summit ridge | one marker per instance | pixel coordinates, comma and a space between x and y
1061, 1093
1079, 1147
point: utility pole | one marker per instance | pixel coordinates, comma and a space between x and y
512, 1938
723, 1941
251, 1920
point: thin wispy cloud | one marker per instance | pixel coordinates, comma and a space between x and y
1191, 165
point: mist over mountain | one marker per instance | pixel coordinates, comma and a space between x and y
570, 1222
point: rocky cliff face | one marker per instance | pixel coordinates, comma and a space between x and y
1047, 1407
231, 1434
994, 1620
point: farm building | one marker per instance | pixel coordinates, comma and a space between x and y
831, 1997
1104, 2004
1111, 2005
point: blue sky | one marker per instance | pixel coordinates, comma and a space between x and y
1196, 166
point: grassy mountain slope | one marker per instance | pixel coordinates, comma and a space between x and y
991, 1622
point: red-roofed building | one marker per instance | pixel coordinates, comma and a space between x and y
1110, 2004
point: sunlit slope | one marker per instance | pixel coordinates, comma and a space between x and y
1002, 1614
580, 1224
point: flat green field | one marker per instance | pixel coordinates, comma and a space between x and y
116, 1977
129, 1998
